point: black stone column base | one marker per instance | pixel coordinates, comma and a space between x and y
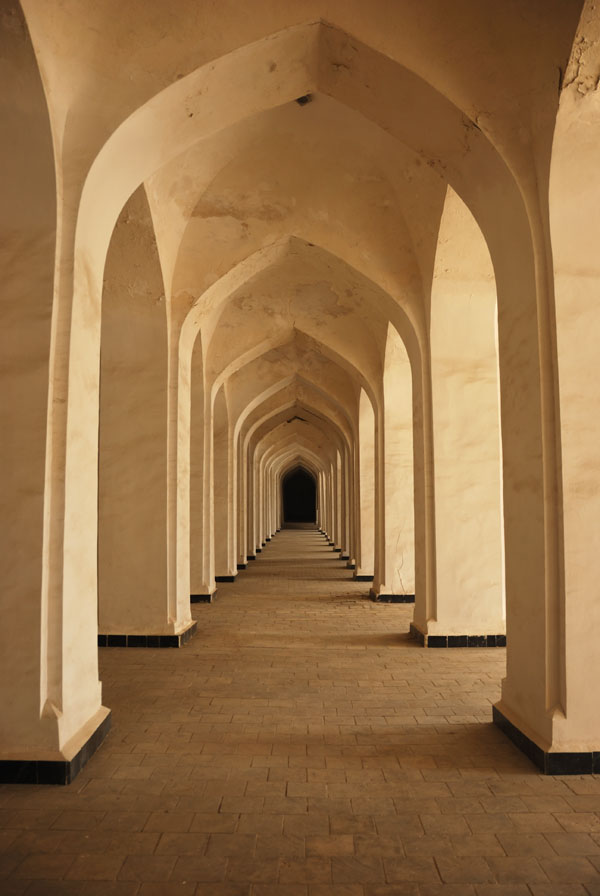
259, 550
224, 578
49, 771
361, 578
251, 557
456, 640
149, 640
548, 763
242, 566
391, 598
345, 557
350, 565
203, 598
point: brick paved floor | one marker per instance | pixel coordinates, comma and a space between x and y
301, 745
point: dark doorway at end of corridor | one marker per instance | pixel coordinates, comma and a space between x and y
299, 497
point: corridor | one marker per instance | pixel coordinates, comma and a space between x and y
302, 745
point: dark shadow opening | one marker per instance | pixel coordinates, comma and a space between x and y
299, 490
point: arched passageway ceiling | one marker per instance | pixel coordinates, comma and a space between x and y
321, 171
113, 58
300, 413
296, 389
283, 467
298, 357
282, 408
276, 443
355, 287
276, 70
309, 290
297, 456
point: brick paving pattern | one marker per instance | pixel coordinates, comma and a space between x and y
302, 745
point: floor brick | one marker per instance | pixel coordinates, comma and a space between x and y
302, 744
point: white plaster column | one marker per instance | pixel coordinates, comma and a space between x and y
466, 418
395, 576
133, 590
562, 716
208, 500
222, 476
241, 502
366, 553
49, 688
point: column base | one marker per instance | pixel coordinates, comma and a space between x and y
456, 640
149, 640
391, 598
267, 539
224, 578
259, 550
350, 565
251, 557
67, 764
203, 598
360, 577
548, 763
242, 566
345, 557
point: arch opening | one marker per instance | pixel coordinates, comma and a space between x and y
299, 496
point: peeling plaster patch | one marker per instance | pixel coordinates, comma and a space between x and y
583, 70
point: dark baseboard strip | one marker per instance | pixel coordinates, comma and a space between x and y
457, 640
363, 578
224, 578
203, 598
242, 566
148, 640
392, 598
548, 763
49, 772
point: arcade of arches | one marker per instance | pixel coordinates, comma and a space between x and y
356, 243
